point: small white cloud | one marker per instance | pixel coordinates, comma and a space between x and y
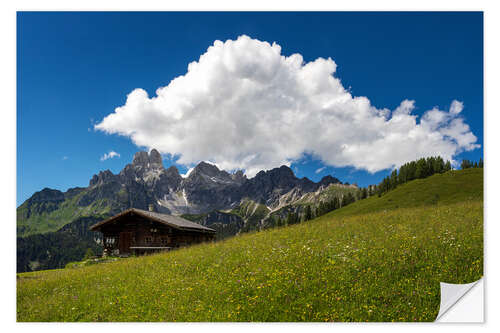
456, 107
65, 158
319, 170
109, 155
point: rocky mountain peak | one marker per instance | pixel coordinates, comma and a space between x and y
239, 176
172, 171
267, 186
327, 180
155, 159
47, 194
285, 170
206, 169
281, 175
101, 177
144, 160
172, 178
140, 158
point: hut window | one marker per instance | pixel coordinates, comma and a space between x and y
148, 239
110, 240
164, 240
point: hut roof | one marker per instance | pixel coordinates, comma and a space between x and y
175, 222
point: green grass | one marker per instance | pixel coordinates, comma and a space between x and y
92, 261
439, 189
369, 261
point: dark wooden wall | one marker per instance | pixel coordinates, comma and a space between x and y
138, 231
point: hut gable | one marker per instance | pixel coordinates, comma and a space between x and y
169, 220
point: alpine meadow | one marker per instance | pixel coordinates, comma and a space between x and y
378, 259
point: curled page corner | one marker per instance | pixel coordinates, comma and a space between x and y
451, 294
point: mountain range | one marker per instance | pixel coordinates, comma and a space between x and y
52, 226
207, 193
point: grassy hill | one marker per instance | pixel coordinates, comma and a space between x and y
51, 220
379, 259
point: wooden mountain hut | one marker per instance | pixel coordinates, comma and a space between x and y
137, 231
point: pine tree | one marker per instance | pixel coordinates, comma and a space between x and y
439, 165
308, 214
466, 164
292, 218
420, 170
447, 166
412, 170
371, 190
321, 209
288, 218
336, 203
403, 174
347, 199
364, 193
89, 254
393, 182
350, 198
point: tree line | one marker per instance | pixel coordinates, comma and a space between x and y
421, 168
418, 169
55, 249
467, 164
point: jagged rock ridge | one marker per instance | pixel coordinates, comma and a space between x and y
145, 181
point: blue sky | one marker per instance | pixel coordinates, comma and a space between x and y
74, 69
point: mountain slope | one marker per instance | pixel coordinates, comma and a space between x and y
383, 264
439, 189
55, 249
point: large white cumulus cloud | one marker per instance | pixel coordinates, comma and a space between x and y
244, 105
